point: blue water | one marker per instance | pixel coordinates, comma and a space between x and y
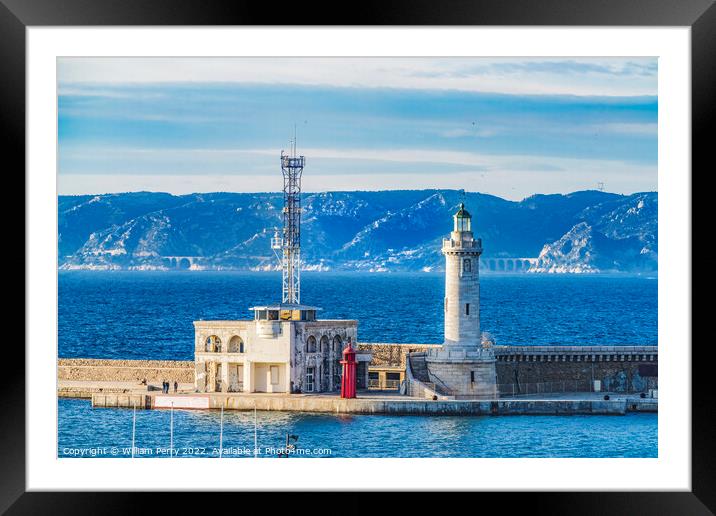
148, 315
108, 433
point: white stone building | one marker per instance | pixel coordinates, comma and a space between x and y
284, 349
464, 366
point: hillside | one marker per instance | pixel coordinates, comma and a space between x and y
587, 231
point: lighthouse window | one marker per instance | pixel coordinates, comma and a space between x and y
467, 265
467, 308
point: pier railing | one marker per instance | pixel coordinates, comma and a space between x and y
383, 385
441, 386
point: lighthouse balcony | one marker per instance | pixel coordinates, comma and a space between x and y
454, 353
466, 244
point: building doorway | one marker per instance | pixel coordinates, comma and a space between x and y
310, 379
218, 375
236, 378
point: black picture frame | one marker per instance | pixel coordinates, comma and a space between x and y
699, 15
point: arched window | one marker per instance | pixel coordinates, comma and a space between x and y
213, 344
311, 344
324, 344
467, 265
337, 344
236, 345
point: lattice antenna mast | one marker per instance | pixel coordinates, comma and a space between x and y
288, 246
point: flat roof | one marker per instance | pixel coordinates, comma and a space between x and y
285, 306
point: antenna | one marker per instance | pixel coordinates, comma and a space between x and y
288, 246
292, 143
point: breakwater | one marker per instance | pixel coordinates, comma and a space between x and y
87, 369
377, 404
520, 370
533, 369
83, 377
523, 369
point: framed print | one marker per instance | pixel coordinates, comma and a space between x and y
442, 249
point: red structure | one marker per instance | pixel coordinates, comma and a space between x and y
348, 380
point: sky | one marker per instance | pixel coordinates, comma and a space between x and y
511, 127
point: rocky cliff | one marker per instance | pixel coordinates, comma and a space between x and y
585, 231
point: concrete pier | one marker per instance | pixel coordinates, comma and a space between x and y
110, 383
574, 404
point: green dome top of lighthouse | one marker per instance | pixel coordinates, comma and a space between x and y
462, 219
462, 213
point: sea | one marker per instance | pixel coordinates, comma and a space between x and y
149, 315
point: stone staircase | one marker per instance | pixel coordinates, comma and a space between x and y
420, 372
418, 367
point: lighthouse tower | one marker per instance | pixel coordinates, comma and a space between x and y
463, 367
462, 283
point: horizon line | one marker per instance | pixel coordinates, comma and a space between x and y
275, 192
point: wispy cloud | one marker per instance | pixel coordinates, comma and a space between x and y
644, 129
511, 127
477, 132
251, 170
530, 76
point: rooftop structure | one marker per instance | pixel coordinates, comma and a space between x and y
285, 348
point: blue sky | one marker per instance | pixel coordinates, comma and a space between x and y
510, 127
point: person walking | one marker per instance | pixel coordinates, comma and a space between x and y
176, 386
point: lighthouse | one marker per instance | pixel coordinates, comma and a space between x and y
464, 366
462, 283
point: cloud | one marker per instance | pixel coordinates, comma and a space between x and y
639, 129
330, 165
509, 184
467, 133
530, 76
511, 126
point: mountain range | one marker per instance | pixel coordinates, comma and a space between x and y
396, 230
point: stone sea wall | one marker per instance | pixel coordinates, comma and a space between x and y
85, 369
389, 354
521, 369
620, 368
615, 376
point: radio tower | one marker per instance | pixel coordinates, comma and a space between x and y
288, 246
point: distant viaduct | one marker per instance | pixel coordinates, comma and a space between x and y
179, 262
507, 264
486, 263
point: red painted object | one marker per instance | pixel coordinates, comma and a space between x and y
348, 380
